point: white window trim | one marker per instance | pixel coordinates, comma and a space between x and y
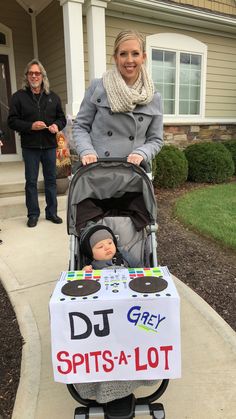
7, 49
183, 43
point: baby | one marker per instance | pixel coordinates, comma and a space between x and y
98, 243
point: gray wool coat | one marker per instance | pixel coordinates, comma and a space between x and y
97, 130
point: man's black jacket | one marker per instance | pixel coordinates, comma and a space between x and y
26, 108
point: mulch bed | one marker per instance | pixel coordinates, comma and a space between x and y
201, 263
10, 355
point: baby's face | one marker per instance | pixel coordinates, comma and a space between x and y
104, 250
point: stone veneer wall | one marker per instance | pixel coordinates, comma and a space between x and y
183, 135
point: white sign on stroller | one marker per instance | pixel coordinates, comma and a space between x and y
115, 324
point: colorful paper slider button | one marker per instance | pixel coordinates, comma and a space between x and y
71, 274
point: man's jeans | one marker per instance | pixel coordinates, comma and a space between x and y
32, 158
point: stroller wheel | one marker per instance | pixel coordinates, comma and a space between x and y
80, 413
157, 411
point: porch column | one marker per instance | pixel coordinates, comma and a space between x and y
74, 53
95, 13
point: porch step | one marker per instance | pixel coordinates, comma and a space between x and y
12, 191
17, 188
14, 206
12, 179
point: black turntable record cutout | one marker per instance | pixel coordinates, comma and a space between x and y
81, 287
148, 284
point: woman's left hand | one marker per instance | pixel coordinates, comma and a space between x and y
135, 159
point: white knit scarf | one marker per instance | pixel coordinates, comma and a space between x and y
123, 98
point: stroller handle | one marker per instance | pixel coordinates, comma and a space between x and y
143, 163
146, 166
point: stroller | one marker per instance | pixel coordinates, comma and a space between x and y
120, 196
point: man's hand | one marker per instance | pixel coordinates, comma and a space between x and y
53, 128
38, 125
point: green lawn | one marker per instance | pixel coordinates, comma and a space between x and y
211, 211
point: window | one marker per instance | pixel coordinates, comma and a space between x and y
2, 38
178, 72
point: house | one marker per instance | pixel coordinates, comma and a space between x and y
191, 49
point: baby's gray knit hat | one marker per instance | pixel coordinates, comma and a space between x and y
93, 234
99, 235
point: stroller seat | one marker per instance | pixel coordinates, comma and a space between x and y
133, 244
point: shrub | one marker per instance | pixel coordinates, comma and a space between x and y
209, 162
231, 146
170, 167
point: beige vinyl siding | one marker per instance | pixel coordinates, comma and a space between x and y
221, 63
218, 6
51, 48
15, 18
221, 76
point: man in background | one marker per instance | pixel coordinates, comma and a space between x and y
36, 113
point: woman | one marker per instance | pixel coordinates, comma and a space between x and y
121, 115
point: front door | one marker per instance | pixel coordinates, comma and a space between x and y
9, 142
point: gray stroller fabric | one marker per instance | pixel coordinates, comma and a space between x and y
131, 243
106, 180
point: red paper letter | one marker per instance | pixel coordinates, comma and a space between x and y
68, 362
137, 363
166, 349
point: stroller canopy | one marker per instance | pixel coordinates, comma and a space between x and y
107, 180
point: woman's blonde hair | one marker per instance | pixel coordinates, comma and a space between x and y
126, 36
45, 82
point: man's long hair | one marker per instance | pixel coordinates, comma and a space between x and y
45, 82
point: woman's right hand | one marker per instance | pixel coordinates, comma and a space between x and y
89, 158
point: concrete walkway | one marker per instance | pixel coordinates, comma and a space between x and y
30, 263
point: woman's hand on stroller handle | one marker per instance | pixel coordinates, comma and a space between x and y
89, 158
135, 159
